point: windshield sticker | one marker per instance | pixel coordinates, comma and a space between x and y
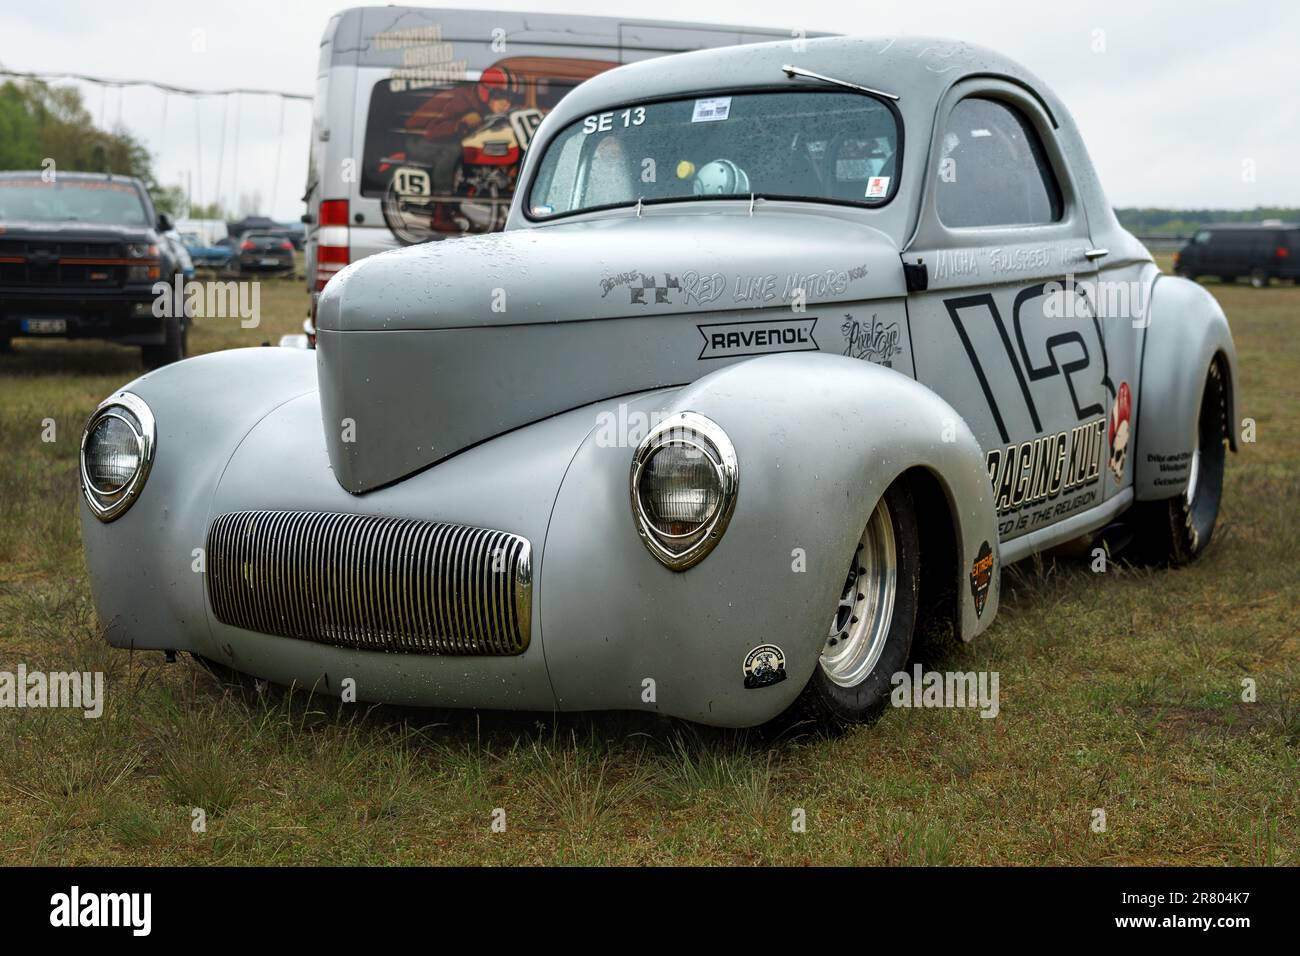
877, 187
711, 110
605, 122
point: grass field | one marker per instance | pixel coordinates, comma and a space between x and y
1120, 692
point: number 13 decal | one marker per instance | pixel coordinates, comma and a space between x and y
1022, 365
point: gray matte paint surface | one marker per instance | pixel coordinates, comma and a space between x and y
466, 414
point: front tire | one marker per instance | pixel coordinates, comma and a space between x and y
1179, 529
1259, 278
870, 628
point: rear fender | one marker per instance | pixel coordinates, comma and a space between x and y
1187, 332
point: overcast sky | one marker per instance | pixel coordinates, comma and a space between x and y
1182, 103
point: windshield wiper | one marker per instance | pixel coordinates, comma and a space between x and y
793, 71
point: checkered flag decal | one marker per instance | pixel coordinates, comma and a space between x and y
661, 291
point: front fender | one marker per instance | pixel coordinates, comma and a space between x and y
1187, 332
818, 439
142, 565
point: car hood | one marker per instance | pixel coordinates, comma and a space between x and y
427, 350
72, 231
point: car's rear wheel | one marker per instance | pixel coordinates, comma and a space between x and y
1259, 278
869, 631
1178, 529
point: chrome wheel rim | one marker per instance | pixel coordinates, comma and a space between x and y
1193, 472
860, 624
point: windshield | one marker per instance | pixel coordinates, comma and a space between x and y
820, 146
71, 200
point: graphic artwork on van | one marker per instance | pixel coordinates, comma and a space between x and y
1017, 354
443, 154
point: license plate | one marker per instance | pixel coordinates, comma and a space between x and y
270, 262
45, 326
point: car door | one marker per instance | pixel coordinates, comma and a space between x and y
1005, 330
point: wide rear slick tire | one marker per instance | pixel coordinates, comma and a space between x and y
869, 630
1176, 530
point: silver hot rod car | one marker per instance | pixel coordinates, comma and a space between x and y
785, 352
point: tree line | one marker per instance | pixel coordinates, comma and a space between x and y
1183, 222
40, 122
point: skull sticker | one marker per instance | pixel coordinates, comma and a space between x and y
1120, 429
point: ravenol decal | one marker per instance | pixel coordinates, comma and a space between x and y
731, 339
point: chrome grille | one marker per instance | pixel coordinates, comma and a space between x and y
382, 584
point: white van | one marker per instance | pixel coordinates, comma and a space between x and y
421, 116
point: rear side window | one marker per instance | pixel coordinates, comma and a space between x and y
993, 170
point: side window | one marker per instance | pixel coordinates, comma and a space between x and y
993, 170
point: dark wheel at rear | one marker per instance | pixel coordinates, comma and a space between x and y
1259, 278
1179, 529
869, 630
173, 349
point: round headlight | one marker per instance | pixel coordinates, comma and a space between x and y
684, 482
117, 449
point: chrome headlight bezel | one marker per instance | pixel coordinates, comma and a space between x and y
107, 505
691, 429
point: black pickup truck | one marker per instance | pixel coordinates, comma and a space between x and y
81, 256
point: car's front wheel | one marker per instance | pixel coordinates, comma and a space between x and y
1178, 529
869, 631
1259, 278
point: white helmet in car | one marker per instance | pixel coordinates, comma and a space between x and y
721, 177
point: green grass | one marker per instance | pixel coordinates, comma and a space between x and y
1119, 692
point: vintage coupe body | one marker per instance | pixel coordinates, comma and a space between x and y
785, 352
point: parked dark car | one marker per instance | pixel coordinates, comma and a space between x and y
80, 256
1229, 251
265, 252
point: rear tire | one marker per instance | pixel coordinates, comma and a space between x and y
1179, 529
852, 681
1259, 278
